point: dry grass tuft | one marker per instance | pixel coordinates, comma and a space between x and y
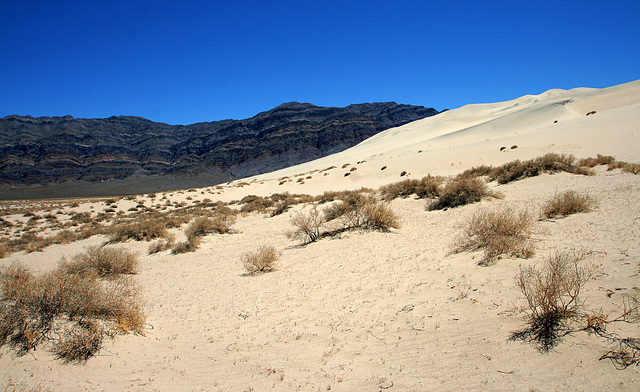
76, 310
498, 232
261, 260
428, 186
307, 225
368, 213
145, 230
548, 163
459, 191
567, 203
103, 262
553, 296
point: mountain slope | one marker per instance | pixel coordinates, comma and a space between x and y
54, 150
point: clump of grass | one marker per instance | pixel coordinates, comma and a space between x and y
74, 309
190, 245
567, 203
145, 230
368, 213
498, 233
253, 203
597, 161
459, 191
261, 260
162, 244
553, 296
307, 225
428, 186
103, 262
548, 163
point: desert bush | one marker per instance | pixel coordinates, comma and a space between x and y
36, 309
498, 232
459, 191
553, 296
307, 225
261, 260
428, 186
567, 203
162, 244
145, 230
253, 203
200, 227
597, 161
104, 262
190, 245
548, 163
368, 213
222, 223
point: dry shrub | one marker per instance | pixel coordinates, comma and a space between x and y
222, 223
633, 168
162, 244
370, 214
459, 191
104, 262
253, 203
190, 245
548, 163
145, 230
553, 296
567, 203
597, 161
261, 260
307, 225
76, 310
428, 186
498, 232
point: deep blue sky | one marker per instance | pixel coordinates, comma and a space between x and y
182, 62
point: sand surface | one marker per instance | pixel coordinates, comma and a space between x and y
371, 311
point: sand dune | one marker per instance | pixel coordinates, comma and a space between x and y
371, 311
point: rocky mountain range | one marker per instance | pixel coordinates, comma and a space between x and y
90, 156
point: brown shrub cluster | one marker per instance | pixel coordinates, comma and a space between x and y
145, 230
548, 163
103, 262
69, 307
261, 260
355, 211
567, 203
498, 232
427, 187
460, 190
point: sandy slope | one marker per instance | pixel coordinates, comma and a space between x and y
372, 311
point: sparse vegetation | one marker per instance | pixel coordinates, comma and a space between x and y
548, 163
307, 225
145, 230
567, 203
428, 186
101, 261
498, 232
553, 296
71, 308
459, 191
261, 260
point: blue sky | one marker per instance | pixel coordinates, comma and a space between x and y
193, 61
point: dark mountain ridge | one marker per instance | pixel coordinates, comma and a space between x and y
46, 151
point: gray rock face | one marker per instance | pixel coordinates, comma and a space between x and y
53, 150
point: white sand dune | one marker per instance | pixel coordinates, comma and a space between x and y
372, 311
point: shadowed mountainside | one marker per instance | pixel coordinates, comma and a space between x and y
151, 156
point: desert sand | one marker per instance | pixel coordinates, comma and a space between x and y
370, 310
